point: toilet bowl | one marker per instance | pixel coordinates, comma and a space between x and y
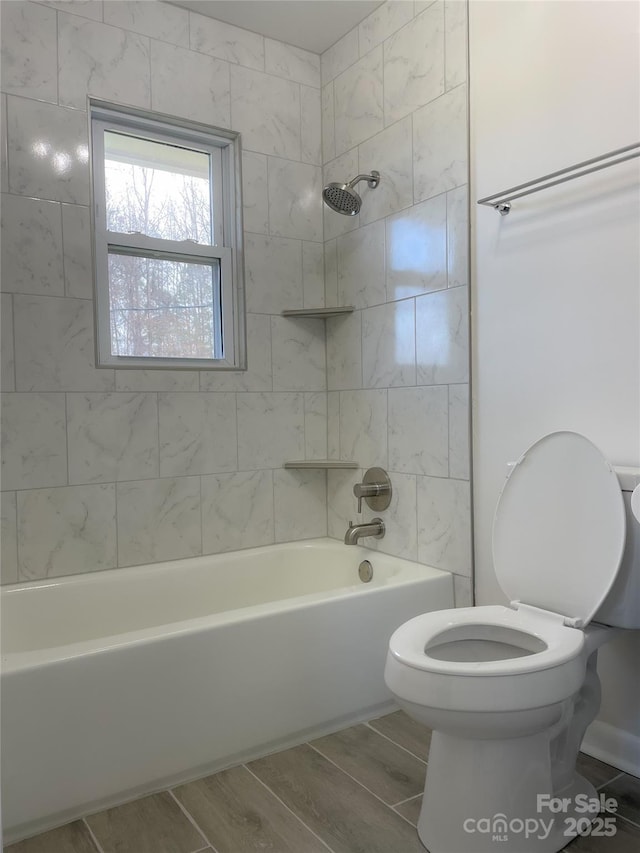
509, 691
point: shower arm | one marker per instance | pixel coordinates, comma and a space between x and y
373, 180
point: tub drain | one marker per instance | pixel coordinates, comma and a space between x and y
365, 571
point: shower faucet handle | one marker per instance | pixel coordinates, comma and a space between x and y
375, 489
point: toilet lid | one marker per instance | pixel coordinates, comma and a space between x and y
559, 527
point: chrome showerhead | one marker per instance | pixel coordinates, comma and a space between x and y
343, 198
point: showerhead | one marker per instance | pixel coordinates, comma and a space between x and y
343, 198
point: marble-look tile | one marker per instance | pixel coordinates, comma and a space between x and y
31, 246
416, 242
258, 375
270, 429
54, 345
8, 538
341, 170
237, 511
421, 5
331, 272
66, 531
156, 380
339, 56
295, 199
389, 345
455, 22
206, 99
418, 430
34, 441
328, 124
313, 274
462, 591
292, 63
158, 20
440, 148
112, 437
299, 504
197, 434
333, 425
459, 463
361, 279
7, 360
103, 61
48, 151
389, 153
273, 270
255, 197
359, 102
442, 337
29, 61
266, 110
444, 524
458, 237
401, 523
344, 352
315, 425
310, 125
383, 22
342, 506
363, 427
414, 64
85, 8
225, 41
158, 520
4, 160
76, 244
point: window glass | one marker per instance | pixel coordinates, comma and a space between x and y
157, 189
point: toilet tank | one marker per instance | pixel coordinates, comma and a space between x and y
621, 607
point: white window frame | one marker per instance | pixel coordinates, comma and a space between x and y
223, 147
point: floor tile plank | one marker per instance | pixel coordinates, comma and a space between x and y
626, 790
381, 766
401, 729
339, 810
239, 815
597, 772
626, 840
411, 809
154, 824
72, 838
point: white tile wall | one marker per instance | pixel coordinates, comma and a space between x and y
188, 462
403, 262
184, 459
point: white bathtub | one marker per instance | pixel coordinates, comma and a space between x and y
125, 681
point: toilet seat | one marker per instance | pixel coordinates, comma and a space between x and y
411, 642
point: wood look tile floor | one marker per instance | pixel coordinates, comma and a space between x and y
356, 791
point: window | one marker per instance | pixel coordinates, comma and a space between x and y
168, 240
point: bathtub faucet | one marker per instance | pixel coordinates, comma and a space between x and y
374, 528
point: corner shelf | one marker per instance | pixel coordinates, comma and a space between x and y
323, 464
322, 313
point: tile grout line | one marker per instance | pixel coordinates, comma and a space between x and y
353, 778
408, 800
192, 821
395, 743
92, 836
282, 802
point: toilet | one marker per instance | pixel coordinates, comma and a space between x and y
510, 690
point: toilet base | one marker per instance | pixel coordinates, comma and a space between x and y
482, 796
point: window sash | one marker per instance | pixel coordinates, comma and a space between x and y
224, 248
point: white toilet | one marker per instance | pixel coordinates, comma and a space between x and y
510, 691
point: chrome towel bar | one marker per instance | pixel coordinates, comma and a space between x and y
502, 201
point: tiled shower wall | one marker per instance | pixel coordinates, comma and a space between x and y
394, 99
105, 468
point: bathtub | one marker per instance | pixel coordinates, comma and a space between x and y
126, 681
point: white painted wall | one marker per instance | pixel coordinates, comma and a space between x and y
556, 302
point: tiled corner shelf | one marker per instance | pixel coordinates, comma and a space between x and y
323, 464
322, 313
